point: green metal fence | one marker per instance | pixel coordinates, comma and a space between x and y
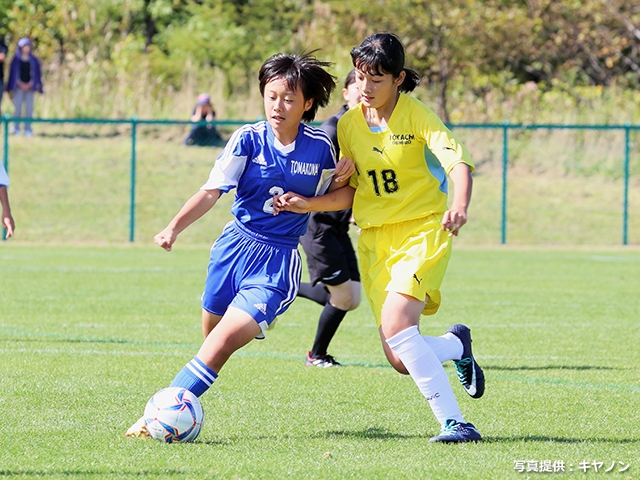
505, 128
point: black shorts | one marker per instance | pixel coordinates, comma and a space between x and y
331, 258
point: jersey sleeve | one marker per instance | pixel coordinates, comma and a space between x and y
230, 164
328, 170
444, 144
4, 178
345, 150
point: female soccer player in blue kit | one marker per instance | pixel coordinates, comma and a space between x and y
254, 270
403, 154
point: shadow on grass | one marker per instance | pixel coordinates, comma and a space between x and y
97, 473
372, 433
545, 439
550, 367
377, 433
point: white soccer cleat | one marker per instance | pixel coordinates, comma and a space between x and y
138, 429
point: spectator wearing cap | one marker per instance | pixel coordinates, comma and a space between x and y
203, 135
25, 79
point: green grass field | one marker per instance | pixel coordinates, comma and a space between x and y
89, 333
564, 187
91, 326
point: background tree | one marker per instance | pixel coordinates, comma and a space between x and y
146, 50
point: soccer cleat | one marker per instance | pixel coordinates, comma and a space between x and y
138, 429
470, 374
456, 432
324, 361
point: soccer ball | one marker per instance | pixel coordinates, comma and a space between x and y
174, 415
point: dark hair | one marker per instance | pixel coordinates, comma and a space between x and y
303, 71
351, 78
383, 53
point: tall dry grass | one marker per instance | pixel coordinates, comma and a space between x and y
131, 85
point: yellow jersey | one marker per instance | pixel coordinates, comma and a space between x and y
402, 168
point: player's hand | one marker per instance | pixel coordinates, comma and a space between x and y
290, 202
8, 224
166, 238
453, 220
344, 169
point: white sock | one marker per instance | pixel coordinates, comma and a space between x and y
446, 347
428, 373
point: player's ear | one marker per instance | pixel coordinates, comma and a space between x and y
308, 104
398, 81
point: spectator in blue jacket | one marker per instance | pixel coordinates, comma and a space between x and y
25, 79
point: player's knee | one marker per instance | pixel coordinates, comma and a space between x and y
356, 295
394, 360
341, 303
345, 296
399, 367
342, 298
355, 301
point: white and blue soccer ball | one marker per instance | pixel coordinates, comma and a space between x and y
174, 415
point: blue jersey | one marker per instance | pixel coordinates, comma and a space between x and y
259, 167
4, 179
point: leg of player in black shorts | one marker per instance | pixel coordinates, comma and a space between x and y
335, 283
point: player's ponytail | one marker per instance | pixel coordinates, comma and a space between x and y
410, 82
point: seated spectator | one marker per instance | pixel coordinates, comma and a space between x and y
203, 135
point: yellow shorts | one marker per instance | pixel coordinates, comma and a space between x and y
408, 257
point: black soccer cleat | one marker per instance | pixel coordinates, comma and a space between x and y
456, 432
469, 372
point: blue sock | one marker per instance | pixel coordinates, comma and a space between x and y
195, 377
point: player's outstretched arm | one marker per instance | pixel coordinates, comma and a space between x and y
7, 219
338, 199
196, 206
456, 216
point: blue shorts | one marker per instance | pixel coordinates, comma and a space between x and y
257, 274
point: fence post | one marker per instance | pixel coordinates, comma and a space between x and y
505, 163
132, 205
625, 202
5, 157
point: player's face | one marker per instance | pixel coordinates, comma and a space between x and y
378, 90
284, 108
351, 94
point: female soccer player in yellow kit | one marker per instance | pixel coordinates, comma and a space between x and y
403, 154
